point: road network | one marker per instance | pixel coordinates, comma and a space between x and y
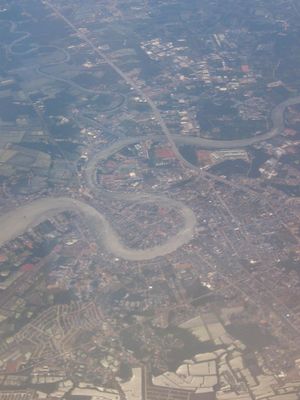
26, 216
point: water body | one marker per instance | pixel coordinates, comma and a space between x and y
24, 217
32, 214
17, 221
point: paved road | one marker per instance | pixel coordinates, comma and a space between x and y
24, 217
277, 114
29, 215
277, 120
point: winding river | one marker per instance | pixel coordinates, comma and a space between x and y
27, 216
18, 221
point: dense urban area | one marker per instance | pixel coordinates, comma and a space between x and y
149, 200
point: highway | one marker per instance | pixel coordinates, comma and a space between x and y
277, 115
19, 220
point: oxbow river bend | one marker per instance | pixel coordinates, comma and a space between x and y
27, 216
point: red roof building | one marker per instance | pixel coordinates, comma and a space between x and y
245, 68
